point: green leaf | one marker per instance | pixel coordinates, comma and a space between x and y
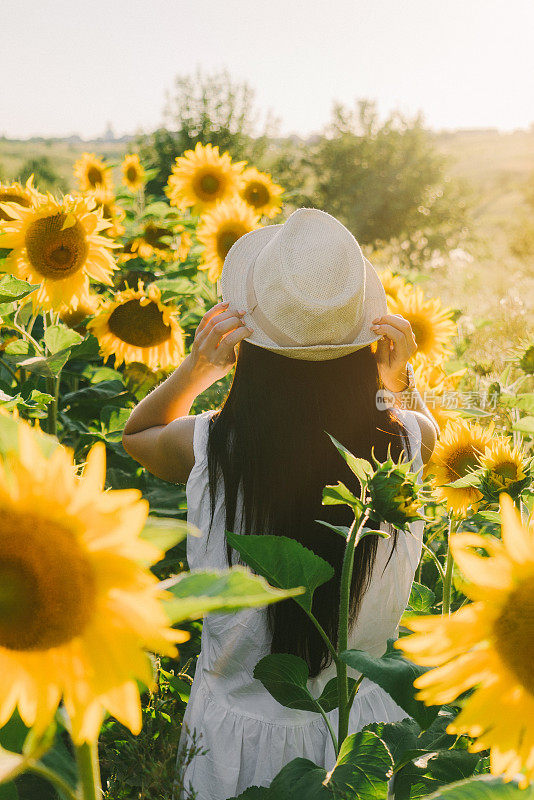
284, 562
13, 733
361, 773
397, 736
12, 289
363, 767
471, 479
525, 425
46, 366
97, 374
8, 791
372, 532
329, 698
483, 787
286, 676
255, 793
395, 674
166, 532
95, 395
339, 495
301, 779
59, 337
359, 466
421, 598
20, 347
198, 593
341, 529
114, 418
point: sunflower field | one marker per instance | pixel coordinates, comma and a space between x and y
101, 291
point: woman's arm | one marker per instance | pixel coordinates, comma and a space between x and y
159, 432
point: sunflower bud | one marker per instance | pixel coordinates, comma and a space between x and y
394, 494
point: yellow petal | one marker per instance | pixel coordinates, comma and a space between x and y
518, 540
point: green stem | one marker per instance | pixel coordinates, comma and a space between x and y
449, 564
24, 333
354, 691
343, 625
55, 779
435, 559
325, 638
9, 369
330, 729
32, 322
89, 770
53, 389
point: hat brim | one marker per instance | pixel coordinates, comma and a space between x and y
233, 280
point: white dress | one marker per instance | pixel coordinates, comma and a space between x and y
248, 735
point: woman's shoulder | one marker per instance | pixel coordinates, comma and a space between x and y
420, 429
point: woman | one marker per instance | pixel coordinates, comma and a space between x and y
304, 306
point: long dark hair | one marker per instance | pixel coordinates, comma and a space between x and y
269, 437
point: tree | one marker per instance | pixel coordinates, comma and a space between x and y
384, 180
207, 109
45, 174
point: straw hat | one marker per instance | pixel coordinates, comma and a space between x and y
308, 290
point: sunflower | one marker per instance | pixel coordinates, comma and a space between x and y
88, 306
432, 325
261, 193
152, 243
92, 173
79, 610
434, 384
486, 646
110, 211
24, 196
57, 244
506, 469
201, 177
219, 230
133, 174
136, 326
392, 283
456, 453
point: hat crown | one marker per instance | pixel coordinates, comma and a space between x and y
320, 260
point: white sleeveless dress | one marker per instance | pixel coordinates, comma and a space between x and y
248, 735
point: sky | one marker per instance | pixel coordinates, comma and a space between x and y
71, 66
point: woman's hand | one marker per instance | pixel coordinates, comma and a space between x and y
393, 350
213, 351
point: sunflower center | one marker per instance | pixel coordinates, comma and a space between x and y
257, 194
506, 470
54, 253
94, 176
208, 186
131, 174
47, 588
463, 462
514, 632
140, 326
6, 197
152, 235
226, 237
